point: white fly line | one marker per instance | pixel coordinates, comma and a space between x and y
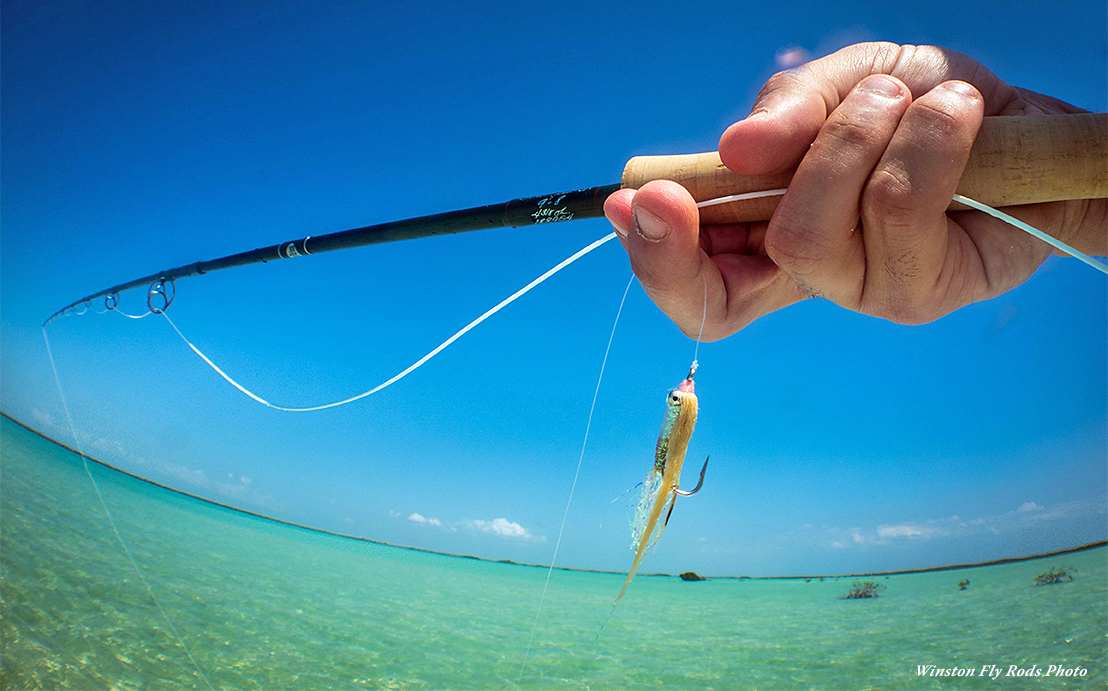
415, 365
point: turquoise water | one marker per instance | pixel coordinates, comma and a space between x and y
263, 605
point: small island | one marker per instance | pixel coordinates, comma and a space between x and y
692, 576
1063, 575
862, 589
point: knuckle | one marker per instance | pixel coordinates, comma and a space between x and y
910, 61
902, 270
786, 80
868, 56
920, 58
884, 56
848, 133
900, 289
939, 120
890, 198
794, 248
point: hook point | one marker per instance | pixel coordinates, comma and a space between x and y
699, 483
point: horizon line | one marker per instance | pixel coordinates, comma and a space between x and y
510, 562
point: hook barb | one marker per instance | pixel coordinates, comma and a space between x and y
699, 483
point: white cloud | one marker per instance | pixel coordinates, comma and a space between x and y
45, 421
416, 518
182, 477
101, 446
183, 474
502, 527
1027, 515
903, 530
164, 472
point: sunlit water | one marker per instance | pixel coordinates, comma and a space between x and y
263, 605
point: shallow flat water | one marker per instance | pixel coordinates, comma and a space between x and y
262, 605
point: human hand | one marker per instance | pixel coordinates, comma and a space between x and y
864, 222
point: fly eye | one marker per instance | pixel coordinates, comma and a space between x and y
674, 398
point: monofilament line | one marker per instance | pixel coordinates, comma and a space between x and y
741, 197
418, 363
131, 316
1048, 239
111, 520
1010, 220
703, 317
576, 474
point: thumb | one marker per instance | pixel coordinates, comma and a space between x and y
659, 226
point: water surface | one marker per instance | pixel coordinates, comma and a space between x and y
263, 605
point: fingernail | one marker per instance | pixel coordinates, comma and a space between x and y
620, 230
881, 86
649, 225
961, 88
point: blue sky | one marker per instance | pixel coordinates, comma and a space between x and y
142, 136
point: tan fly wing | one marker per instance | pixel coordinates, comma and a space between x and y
675, 456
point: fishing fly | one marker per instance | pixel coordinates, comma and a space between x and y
661, 484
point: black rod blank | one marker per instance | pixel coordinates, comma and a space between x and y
551, 208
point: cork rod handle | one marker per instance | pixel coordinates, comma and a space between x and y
1015, 160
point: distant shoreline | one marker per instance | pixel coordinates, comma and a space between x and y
510, 562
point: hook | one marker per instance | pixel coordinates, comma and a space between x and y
691, 492
700, 483
692, 370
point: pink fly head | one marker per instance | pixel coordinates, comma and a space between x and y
687, 386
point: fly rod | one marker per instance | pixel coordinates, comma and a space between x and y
1015, 160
